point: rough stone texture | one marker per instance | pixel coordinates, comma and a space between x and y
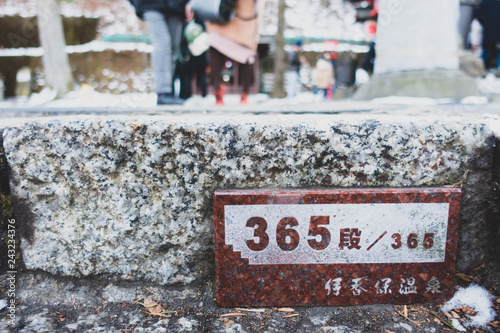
471, 64
4, 178
477, 213
51, 304
412, 59
6, 210
496, 211
131, 197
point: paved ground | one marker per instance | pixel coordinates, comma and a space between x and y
52, 304
259, 104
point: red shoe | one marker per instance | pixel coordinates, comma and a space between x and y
244, 99
219, 97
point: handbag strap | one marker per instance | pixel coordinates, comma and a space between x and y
249, 18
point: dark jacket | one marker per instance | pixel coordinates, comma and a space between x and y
488, 14
294, 61
186, 62
164, 6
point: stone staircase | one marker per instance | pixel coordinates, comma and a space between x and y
130, 197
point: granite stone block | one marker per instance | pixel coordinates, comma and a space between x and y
131, 197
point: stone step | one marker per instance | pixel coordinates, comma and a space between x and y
130, 197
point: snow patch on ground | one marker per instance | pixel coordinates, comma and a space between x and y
426, 101
490, 84
87, 97
478, 299
94, 46
404, 100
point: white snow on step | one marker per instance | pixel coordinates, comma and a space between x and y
478, 299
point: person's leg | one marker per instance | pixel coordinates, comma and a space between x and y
292, 78
201, 81
186, 80
246, 76
488, 55
496, 59
298, 83
175, 24
216, 62
162, 55
245, 72
334, 88
165, 32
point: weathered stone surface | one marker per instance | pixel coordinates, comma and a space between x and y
478, 213
496, 209
6, 211
49, 304
4, 178
407, 38
471, 64
412, 59
131, 197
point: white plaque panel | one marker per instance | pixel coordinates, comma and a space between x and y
355, 233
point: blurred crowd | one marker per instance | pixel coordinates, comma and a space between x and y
190, 37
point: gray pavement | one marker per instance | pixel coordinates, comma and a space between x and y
54, 304
417, 107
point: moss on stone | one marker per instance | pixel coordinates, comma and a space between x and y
6, 210
4, 180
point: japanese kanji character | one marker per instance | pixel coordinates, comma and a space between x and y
350, 238
408, 286
335, 288
382, 286
433, 286
356, 287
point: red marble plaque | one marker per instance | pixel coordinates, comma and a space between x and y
335, 246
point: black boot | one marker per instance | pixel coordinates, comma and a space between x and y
168, 99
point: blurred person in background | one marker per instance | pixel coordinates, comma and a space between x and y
165, 20
371, 32
322, 76
293, 70
488, 14
236, 41
333, 60
192, 59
